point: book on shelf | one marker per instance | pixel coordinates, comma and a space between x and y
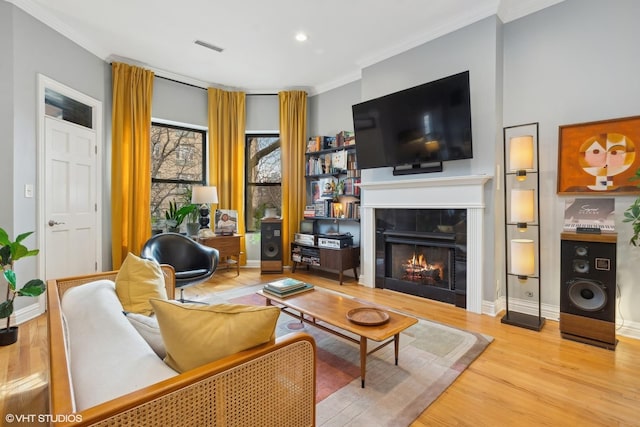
314, 144
309, 211
305, 287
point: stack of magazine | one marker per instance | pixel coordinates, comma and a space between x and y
286, 287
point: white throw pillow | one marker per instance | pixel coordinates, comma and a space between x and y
147, 326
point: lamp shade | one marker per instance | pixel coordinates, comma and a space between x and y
522, 257
204, 195
522, 204
521, 153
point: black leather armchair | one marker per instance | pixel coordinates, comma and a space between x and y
193, 262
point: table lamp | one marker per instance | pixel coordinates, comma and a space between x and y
204, 195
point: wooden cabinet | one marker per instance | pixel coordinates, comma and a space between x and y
332, 259
229, 249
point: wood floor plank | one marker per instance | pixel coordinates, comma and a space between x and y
523, 378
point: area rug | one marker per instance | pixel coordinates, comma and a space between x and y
432, 356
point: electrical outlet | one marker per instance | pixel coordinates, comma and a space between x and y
529, 294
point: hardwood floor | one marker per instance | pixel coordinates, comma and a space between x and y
523, 378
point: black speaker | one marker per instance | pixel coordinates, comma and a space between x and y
271, 246
588, 288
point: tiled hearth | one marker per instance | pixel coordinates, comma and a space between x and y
458, 192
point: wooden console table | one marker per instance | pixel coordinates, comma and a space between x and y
228, 247
332, 259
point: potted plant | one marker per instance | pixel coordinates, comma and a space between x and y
175, 216
193, 225
632, 214
10, 252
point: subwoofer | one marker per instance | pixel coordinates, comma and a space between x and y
271, 246
588, 288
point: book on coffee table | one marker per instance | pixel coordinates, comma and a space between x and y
283, 294
283, 285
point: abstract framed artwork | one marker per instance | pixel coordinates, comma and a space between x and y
599, 157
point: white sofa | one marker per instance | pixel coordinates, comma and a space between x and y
103, 372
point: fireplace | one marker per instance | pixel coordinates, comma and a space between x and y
442, 192
422, 252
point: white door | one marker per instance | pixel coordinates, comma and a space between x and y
70, 199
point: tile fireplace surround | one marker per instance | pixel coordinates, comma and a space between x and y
455, 192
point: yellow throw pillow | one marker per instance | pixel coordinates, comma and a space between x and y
138, 281
195, 334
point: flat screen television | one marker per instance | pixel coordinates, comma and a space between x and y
420, 125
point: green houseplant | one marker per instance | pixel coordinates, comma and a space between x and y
175, 215
10, 252
193, 225
632, 214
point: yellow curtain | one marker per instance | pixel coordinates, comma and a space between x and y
293, 136
131, 160
227, 119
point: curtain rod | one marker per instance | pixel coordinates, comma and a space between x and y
199, 87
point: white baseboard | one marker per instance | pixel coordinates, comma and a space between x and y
30, 311
550, 312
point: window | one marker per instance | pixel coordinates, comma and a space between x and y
177, 163
263, 177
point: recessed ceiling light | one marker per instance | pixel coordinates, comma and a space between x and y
301, 37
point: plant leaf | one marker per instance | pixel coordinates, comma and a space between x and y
32, 288
6, 308
23, 236
10, 275
4, 237
18, 251
5, 255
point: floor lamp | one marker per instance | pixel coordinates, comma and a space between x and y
522, 222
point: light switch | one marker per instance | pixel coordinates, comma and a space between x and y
28, 190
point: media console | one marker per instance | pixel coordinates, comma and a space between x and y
333, 259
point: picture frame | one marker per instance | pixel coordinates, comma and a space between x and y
226, 222
598, 158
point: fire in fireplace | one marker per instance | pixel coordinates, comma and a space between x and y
417, 269
426, 265
430, 264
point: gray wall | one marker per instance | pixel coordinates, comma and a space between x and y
35, 48
263, 113
575, 62
330, 112
6, 117
179, 102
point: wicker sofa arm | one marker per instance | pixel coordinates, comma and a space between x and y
269, 385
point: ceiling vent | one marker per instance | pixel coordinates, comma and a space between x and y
209, 46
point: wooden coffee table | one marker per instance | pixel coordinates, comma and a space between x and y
322, 309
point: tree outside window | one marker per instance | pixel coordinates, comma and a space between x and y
263, 177
177, 164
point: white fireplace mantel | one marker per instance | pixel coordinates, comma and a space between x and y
455, 192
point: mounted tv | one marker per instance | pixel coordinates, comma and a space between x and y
416, 129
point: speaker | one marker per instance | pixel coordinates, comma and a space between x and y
271, 246
588, 288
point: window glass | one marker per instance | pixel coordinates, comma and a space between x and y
263, 177
177, 163
67, 109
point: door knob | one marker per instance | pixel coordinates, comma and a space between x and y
52, 223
